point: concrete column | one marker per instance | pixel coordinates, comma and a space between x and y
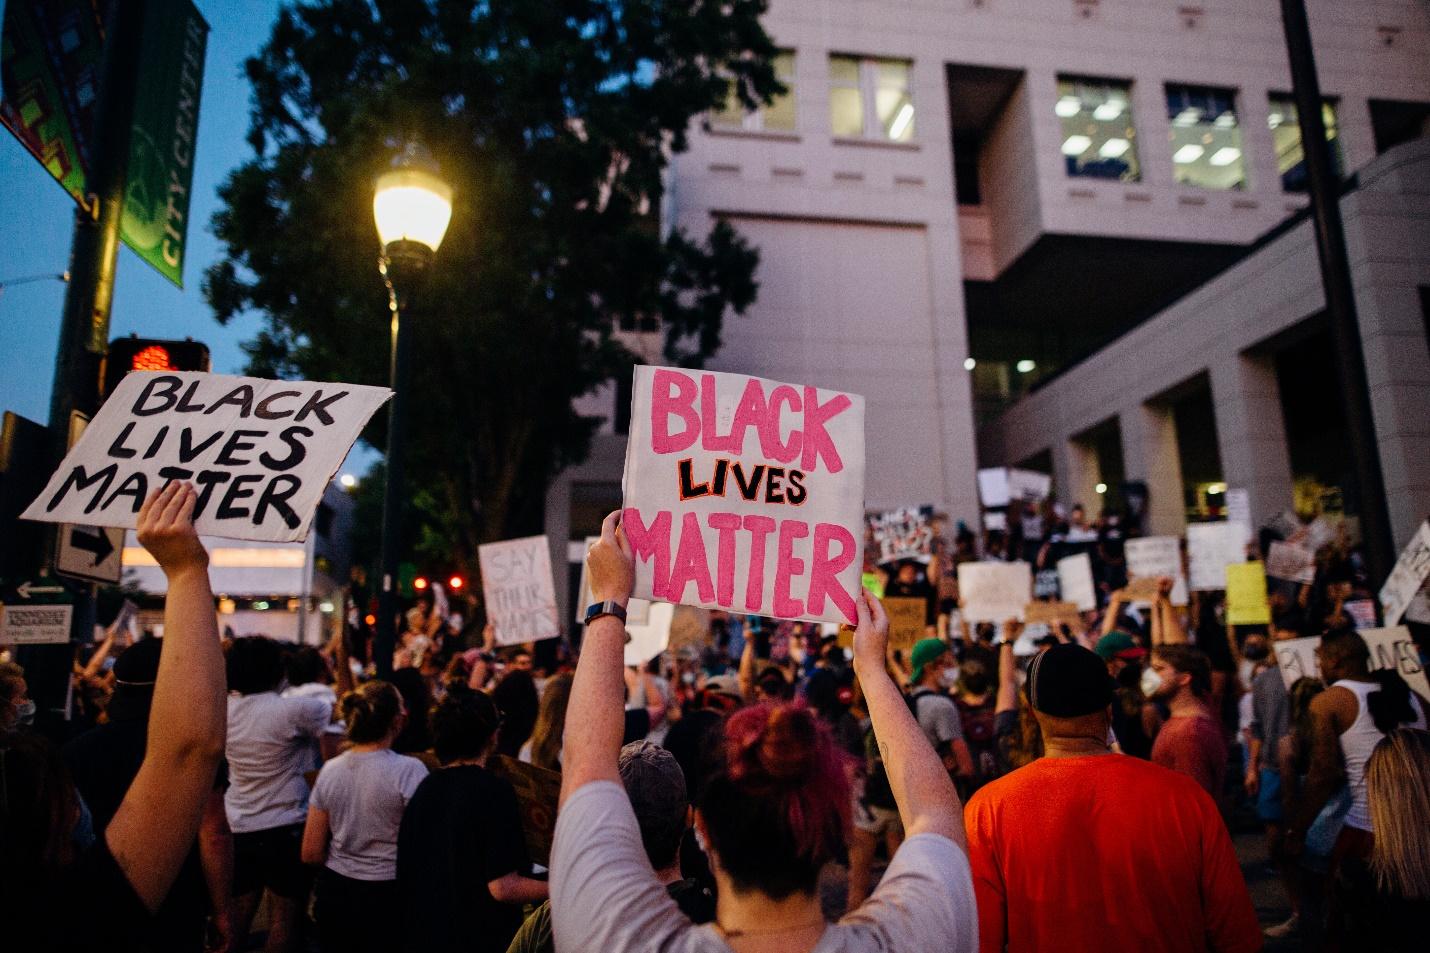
558, 534
1149, 454
1076, 474
1251, 432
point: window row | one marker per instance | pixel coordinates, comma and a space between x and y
1099, 138
868, 99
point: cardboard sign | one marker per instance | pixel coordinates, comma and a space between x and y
1156, 556
1393, 648
1054, 614
520, 594
904, 533
1406, 578
1362, 613
1143, 588
260, 452
1246, 595
1211, 547
906, 621
636, 609
994, 591
1075, 581
745, 495
537, 793
1291, 561
1297, 659
652, 637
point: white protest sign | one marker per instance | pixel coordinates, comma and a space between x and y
1290, 561
517, 585
636, 609
1156, 556
1297, 659
1029, 485
904, 533
1075, 581
651, 638
1406, 578
993, 486
744, 494
1393, 648
1361, 611
1320, 532
995, 521
1238, 509
260, 452
994, 591
1211, 547
1419, 608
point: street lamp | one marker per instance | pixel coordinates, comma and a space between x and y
412, 208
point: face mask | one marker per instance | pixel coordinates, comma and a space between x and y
25, 713
1151, 681
688, 678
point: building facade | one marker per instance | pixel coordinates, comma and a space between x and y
958, 199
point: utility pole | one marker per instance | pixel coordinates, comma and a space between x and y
1340, 295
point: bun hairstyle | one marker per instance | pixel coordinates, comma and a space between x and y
777, 805
370, 711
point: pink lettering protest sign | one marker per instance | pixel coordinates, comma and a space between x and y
745, 494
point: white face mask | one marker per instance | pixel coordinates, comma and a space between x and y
1150, 682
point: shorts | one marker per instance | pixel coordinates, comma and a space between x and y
1268, 797
875, 820
271, 859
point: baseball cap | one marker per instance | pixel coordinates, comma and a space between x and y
925, 651
1118, 645
656, 788
1067, 681
724, 684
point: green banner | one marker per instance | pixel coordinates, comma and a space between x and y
166, 125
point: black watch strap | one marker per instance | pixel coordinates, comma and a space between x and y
609, 607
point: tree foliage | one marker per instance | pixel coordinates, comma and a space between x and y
554, 122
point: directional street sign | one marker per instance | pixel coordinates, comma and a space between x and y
35, 613
90, 552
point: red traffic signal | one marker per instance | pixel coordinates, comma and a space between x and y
456, 583
420, 583
148, 354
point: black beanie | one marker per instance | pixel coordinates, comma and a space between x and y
1068, 681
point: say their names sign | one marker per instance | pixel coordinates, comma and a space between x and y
1407, 576
520, 594
745, 494
1393, 648
259, 452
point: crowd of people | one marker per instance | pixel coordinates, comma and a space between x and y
773, 786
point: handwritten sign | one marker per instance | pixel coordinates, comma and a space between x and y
904, 533
650, 638
520, 594
537, 792
1291, 561
1054, 614
1211, 547
259, 452
1406, 578
1297, 659
636, 609
998, 486
994, 591
1246, 594
906, 621
745, 495
1075, 581
1154, 557
1393, 648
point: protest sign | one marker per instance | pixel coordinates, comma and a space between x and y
650, 638
993, 486
1297, 659
873, 582
906, 620
1393, 648
744, 494
904, 533
1361, 611
995, 521
1157, 556
1054, 614
1406, 578
1238, 510
994, 591
259, 452
1143, 588
537, 792
1211, 547
1319, 532
1291, 561
520, 594
1075, 581
636, 609
998, 486
1419, 608
1246, 595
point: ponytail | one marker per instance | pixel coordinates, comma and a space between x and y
370, 711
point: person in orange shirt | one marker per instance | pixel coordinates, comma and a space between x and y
1087, 851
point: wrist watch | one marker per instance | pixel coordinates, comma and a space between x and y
609, 607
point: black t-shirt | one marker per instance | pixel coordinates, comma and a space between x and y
89, 906
461, 830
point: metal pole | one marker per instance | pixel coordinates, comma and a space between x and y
385, 639
1340, 295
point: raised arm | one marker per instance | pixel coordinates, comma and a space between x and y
926, 797
595, 715
154, 828
1114, 609
1007, 679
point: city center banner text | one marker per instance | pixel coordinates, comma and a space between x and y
259, 452
745, 494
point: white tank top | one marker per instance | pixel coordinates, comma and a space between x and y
1358, 741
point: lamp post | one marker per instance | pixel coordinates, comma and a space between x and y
412, 208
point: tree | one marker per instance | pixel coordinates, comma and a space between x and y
554, 122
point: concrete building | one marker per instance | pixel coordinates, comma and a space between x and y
960, 198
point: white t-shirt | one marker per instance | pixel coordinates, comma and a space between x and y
365, 793
604, 894
269, 740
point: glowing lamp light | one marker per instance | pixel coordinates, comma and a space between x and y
1100, 489
348, 481
370, 619
969, 363
902, 121
455, 583
1025, 366
411, 204
419, 583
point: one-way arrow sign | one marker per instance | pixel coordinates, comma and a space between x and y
90, 552
26, 590
91, 540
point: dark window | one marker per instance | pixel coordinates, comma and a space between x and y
324, 520
966, 152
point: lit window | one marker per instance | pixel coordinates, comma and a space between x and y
871, 98
1098, 137
1286, 133
778, 116
1206, 140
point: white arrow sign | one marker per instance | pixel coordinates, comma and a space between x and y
25, 589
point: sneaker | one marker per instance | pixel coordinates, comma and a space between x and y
1282, 930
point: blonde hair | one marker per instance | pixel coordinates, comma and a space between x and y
550, 728
1397, 778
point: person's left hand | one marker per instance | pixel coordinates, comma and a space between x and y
610, 565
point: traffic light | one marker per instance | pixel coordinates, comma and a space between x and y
456, 583
148, 354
